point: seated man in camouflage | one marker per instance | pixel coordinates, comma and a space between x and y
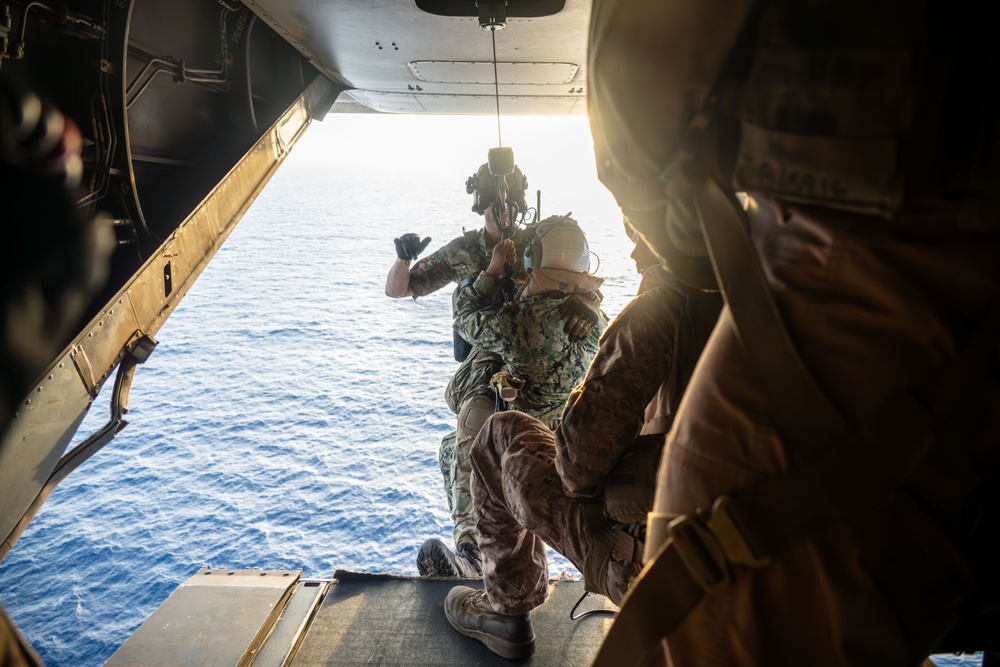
533, 487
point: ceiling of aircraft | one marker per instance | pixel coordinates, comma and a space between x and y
433, 56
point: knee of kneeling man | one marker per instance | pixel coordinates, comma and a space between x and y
472, 416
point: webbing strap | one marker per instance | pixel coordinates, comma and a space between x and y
667, 588
801, 412
745, 529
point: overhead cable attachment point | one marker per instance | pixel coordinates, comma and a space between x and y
501, 161
492, 14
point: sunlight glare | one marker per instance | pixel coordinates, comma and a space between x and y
556, 153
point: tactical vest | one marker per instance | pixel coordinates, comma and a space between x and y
846, 128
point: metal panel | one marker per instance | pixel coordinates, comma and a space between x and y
49, 416
525, 74
485, 104
369, 46
288, 633
217, 617
381, 619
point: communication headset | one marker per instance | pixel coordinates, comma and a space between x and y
563, 250
532, 256
533, 251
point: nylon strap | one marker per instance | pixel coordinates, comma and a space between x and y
746, 529
801, 412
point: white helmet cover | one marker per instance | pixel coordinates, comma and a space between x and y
560, 243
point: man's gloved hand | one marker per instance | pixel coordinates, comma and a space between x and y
503, 254
470, 552
580, 318
408, 246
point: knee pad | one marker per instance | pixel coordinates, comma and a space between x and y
474, 413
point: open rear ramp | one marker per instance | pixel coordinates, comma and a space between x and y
275, 618
381, 619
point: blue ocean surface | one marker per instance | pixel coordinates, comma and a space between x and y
291, 414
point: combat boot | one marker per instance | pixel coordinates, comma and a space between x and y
436, 560
469, 611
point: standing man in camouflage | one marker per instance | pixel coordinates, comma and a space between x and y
459, 262
533, 487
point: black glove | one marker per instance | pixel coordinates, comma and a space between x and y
580, 318
408, 246
471, 553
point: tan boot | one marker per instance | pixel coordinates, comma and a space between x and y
469, 611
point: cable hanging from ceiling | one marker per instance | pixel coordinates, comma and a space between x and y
493, 17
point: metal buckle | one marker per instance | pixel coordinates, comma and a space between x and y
733, 536
700, 551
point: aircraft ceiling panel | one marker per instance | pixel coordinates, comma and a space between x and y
393, 50
514, 105
435, 71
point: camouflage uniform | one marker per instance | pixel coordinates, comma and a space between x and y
460, 261
530, 330
461, 258
529, 335
531, 486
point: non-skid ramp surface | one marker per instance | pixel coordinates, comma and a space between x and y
380, 619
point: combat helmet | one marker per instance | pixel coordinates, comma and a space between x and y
558, 243
482, 185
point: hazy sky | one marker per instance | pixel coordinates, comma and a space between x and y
431, 141
556, 153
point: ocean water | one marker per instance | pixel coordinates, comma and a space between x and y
290, 416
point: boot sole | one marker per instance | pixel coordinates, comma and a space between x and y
504, 649
433, 563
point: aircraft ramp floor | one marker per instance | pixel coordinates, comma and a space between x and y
380, 619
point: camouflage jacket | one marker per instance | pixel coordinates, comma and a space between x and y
636, 358
460, 259
528, 334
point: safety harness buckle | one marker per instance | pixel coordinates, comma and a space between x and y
700, 551
734, 535
710, 547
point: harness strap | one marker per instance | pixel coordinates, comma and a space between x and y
706, 549
801, 411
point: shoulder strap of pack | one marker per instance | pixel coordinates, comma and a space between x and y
802, 413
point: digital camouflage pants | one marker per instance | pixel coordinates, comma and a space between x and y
520, 507
466, 397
